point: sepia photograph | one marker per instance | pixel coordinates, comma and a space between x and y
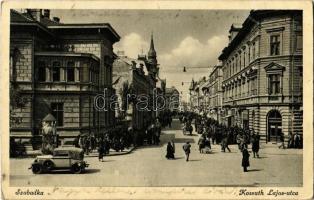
153, 98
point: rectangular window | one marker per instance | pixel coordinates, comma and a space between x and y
299, 42
41, 72
240, 67
57, 112
91, 76
70, 74
237, 64
274, 84
56, 71
70, 71
249, 55
253, 51
301, 81
244, 55
274, 45
254, 86
55, 74
84, 73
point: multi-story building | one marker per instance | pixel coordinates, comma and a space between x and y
198, 91
172, 97
262, 73
152, 67
214, 93
193, 100
132, 79
58, 69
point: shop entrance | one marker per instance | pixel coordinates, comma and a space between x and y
274, 129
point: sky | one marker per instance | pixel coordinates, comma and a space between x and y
190, 38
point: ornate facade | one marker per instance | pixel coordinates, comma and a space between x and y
172, 97
214, 92
138, 77
58, 69
262, 74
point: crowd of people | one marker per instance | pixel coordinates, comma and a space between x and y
212, 132
120, 138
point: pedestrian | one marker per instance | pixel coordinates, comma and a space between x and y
170, 151
189, 127
106, 145
245, 158
170, 121
224, 144
282, 141
201, 143
239, 140
187, 150
297, 141
207, 143
101, 151
255, 144
290, 140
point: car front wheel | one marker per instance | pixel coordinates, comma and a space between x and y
76, 169
48, 165
36, 169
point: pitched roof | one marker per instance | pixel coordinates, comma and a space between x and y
48, 22
254, 17
51, 26
18, 17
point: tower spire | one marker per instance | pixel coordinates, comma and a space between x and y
152, 52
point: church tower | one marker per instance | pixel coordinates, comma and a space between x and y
152, 59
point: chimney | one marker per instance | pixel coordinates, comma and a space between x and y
47, 13
56, 19
35, 13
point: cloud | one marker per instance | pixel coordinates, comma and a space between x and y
192, 53
132, 45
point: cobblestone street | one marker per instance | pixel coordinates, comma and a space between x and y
147, 166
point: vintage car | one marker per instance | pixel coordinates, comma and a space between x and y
62, 158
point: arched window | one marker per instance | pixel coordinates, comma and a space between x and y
14, 58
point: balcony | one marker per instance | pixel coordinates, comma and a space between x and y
65, 86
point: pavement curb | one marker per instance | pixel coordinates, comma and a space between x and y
114, 154
33, 155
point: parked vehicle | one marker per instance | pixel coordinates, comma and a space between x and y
62, 158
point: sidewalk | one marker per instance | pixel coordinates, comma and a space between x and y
34, 153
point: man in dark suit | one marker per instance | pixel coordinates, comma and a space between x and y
187, 150
245, 158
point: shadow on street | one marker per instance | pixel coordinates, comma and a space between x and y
184, 140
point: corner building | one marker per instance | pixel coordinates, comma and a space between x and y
59, 69
262, 74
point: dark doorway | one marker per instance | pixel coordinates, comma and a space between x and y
274, 128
